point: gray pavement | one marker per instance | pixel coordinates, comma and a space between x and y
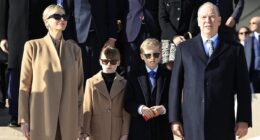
8, 133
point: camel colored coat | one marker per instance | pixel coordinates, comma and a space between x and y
51, 89
104, 115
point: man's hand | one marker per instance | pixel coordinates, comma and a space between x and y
241, 129
230, 22
177, 129
147, 112
26, 130
178, 39
4, 45
124, 137
83, 136
158, 110
110, 42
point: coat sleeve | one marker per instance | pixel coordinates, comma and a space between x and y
176, 86
239, 6
244, 110
87, 108
167, 28
80, 88
3, 19
130, 103
25, 84
126, 123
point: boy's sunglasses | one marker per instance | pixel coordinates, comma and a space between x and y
58, 17
149, 55
106, 61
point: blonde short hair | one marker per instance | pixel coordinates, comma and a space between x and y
48, 10
149, 42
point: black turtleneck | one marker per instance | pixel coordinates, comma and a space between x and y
109, 78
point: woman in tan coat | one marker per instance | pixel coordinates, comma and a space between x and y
104, 115
51, 84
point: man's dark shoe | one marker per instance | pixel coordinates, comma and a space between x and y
2, 105
13, 122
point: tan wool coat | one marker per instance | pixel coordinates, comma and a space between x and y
51, 89
104, 115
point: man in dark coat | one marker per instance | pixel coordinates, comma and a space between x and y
252, 52
147, 101
20, 20
230, 12
208, 72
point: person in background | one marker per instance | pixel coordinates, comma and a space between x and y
93, 25
208, 71
141, 23
20, 20
243, 33
104, 115
252, 52
51, 83
146, 97
175, 22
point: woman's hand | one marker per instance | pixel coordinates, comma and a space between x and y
26, 130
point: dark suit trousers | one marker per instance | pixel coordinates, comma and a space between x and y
13, 90
3, 82
133, 52
256, 80
90, 55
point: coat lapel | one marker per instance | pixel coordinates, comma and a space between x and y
117, 86
221, 47
53, 51
143, 84
248, 50
160, 87
199, 49
101, 85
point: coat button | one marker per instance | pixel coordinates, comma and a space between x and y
178, 18
178, 8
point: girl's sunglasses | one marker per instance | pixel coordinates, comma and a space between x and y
106, 61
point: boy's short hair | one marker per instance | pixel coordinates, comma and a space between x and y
110, 53
149, 42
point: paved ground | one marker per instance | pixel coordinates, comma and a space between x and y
7, 133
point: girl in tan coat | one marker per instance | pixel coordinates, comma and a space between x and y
51, 83
104, 115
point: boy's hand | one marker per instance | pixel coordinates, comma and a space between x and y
158, 110
147, 113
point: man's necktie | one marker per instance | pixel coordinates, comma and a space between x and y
209, 45
152, 79
60, 2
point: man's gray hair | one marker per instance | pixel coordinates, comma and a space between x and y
209, 4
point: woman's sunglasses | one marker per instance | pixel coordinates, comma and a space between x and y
106, 61
58, 17
149, 55
244, 33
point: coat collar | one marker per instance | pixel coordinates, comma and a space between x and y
116, 88
199, 49
160, 82
47, 39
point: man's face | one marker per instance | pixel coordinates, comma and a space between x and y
254, 24
151, 56
208, 21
